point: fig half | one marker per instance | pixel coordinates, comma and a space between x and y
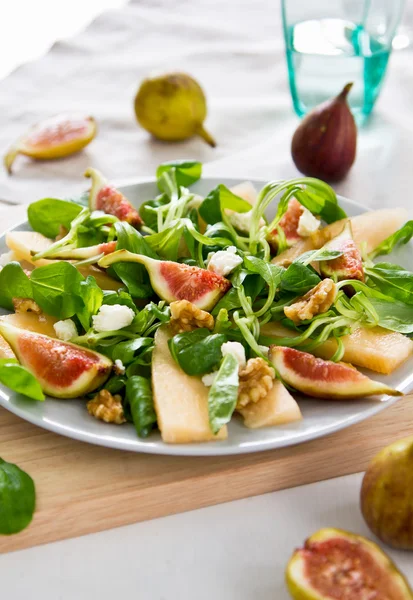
104, 196
323, 378
289, 224
175, 281
337, 565
55, 137
347, 266
63, 369
386, 497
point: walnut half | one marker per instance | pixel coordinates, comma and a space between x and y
107, 408
255, 381
185, 316
24, 305
315, 302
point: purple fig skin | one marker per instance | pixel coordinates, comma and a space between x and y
324, 144
386, 497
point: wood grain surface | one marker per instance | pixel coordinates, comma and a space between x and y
83, 488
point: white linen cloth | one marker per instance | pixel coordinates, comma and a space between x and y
236, 50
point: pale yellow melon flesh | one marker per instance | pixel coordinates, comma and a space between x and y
28, 321
181, 401
277, 408
23, 243
377, 349
369, 230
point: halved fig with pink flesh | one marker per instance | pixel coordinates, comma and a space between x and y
52, 138
337, 565
85, 253
347, 266
323, 378
289, 224
104, 196
63, 369
175, 281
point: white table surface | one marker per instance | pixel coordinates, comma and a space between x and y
238, 550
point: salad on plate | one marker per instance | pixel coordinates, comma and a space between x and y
187, 311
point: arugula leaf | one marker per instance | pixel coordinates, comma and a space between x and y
222, 397
299, 278
125, 351
14, 283
92, 297
56, 289
219, 199
400, 237
140, 400
187, 172
19, 379
197, 352
47, 215
133, 275
392, 280
17, 498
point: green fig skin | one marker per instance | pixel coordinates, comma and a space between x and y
386, 498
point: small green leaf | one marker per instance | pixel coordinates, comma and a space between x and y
222, 397
400, 237
392, 280
187, 172
219, 199
317, 255
269, 272
299, 278
56, 289
17, 498
47, 215
14, 283
126, 351
19, 379
140, 400
197, 352
92, 297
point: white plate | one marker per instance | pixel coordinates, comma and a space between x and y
321, 417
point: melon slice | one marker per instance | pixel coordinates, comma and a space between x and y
373, 348
371, 228
24, 243
277, 408
181, 401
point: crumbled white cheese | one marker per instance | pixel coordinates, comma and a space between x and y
224, 261
65, 330
307, 223
112, 317
7, 257
237, 350
209, 378
119, 367
242, 221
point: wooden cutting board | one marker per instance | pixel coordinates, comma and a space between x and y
82, 488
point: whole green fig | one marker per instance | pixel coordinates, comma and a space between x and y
387, 495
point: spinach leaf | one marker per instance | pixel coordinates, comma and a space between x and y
317, 255
140, 400
197, 352
19, 379
187, 172
269, 272
166, 243
17, 498
400, 237
392, 280
218, 200
223, 394
115, 384
92, 297
324, 205
253, 284
393, 315
299, 278
133, 275
14, 283
111, 297
56, 289
47, 215
149, 213
125, 351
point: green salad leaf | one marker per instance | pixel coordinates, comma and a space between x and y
92, 297
187, 172
299, 278
222, 397
393, 315
14, 283
148, 210
140, 401
19, 379
219, 199
400, 237
127, 350
17, 498
121, 297
48, 215
56, 289
197, 352
392, 280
